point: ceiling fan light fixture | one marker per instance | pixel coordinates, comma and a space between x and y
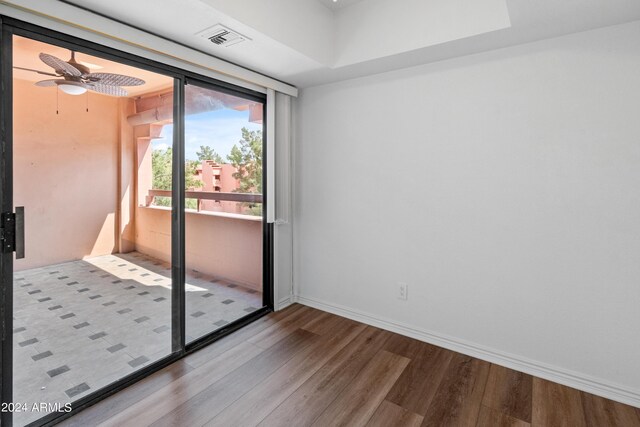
74, 78
71, 88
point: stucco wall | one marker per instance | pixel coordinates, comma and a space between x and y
65, 169
224, 245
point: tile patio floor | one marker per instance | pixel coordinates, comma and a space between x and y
79, 326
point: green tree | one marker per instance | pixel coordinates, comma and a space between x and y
208, 153
161, 161
246, 157
190, 173
161, 169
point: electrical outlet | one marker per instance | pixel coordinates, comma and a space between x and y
402, 291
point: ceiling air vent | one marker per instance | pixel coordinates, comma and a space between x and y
222, 36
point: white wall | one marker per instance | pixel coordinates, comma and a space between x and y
503, 187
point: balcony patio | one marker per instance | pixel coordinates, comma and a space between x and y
116, 306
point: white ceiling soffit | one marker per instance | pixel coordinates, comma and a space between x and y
83, 23
332, 4
306, 26
374, 29
296, 37
182, 21
530, 21
305, 43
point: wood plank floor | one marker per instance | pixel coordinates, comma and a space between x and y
304, 367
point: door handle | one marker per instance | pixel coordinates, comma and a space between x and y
12, 232
19, 245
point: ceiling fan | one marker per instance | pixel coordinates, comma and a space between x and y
75, 78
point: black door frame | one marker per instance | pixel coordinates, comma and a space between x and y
6, 205
10, 27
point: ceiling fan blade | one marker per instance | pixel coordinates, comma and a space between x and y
47, 83
114, 79
59, 65
36, 71
106, 89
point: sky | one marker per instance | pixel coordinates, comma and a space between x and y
219, 129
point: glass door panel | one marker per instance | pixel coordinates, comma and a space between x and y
223, 209
92, 296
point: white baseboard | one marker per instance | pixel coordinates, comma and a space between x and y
559, 375
284, 303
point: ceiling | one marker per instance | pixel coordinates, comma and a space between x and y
338, 4
306, 43
182, 20
25, 54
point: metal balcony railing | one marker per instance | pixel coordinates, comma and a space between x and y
208, 195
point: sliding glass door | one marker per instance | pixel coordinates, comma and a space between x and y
223, 208
133, 226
